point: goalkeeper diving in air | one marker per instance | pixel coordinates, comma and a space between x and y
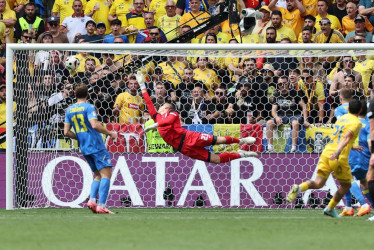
188, 142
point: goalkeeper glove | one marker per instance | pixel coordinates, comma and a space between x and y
140, 79
151, 127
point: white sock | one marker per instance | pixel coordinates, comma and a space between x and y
293, 147
365, 205
348, 208
270, 147
93, 200
102, 205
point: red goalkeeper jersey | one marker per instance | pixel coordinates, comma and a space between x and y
169, 125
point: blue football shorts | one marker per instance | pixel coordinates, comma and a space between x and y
99, 160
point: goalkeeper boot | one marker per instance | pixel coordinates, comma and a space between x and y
291, 196
101, 210
363, 210
370, 218
247, 140
244, 153
92, 205
331, 213
349, 212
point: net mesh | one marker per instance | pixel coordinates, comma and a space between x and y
221, 92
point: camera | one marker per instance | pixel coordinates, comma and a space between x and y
248, 21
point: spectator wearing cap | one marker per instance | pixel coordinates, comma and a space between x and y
63, 7
101, 29
29, 22
309, 23
267, 72
366, 8
134, 20
3, 115
350, 20
282, 30
292, 16
42, 56
322, 7
52, 25
361, 24
76, 23
115, 27
169, 22
8, 17
98, 10
91, 37
338, 9
262, 24
324, 36
119, 9
144, 34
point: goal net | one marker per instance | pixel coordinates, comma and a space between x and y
284, 95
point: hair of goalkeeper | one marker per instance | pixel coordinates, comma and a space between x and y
81, 91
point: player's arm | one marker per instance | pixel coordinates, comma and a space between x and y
345, 140
98, 126
68, 132
151, 108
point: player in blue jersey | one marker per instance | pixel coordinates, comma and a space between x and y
359, 161
87, 130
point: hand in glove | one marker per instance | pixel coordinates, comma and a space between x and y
140, 79
151, 127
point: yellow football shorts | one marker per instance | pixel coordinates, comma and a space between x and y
341, 169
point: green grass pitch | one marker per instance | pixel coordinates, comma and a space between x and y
177, 228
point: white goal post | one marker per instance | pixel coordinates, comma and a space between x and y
233, 196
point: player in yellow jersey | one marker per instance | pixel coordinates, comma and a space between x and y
334, 158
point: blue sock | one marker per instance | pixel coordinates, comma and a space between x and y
104, 190
356, 191
94, 189
348, 199
367, 195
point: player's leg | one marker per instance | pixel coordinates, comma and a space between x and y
232, 140
330, 209
295, 134
348, 209
106, 174
92, 202
270, 125
370, 177
365, 190
226, 157
359, 172
311, 184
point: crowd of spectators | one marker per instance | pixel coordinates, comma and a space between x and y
206, 90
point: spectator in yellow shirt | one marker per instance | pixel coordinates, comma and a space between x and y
322, 8
206, 75
119, 9
64, 8
350, 19
324, 35
158, 8
98, 10
310, 7
309, 22
194, 17
134, 21
262, 24
8, 18
169, 22
292, 17
306, 36
282, 30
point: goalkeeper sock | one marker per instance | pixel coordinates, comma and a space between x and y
226, 157
94, 189
348, 199
371, 189
332, 204
356, 191
103, 190
231, 140
366, 193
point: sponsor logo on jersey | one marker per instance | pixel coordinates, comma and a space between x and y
133, 106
